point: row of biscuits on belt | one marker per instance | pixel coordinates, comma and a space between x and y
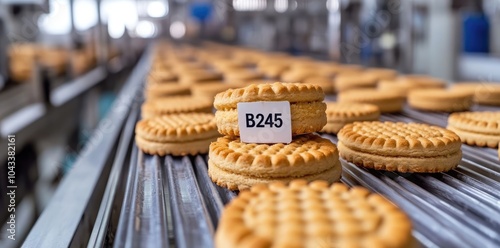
289, 193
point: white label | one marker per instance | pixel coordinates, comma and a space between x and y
265, 122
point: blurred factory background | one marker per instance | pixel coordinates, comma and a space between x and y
62, 62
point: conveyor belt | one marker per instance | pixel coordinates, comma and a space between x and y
139, 200
454, 209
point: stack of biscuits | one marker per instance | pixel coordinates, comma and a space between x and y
237, 165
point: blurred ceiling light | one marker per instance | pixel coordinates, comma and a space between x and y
280, 5
116, 27
123, 10
58, 21
157, 9
177, 29
333, 5
145, 29
249, 5
85, 14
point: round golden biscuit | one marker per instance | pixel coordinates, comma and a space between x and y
307, 108
484, 93
312, 215
175, 104
403, 147
440, 100
176, 134
422, 80
403, 87
241, 76
476, 128
210, 89
326, 83
387, 102
340, 114
159, 90
198, 76
381, 73
345, 82
237, 165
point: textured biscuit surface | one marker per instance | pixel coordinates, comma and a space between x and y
306, 117
177, 127
339, 114
176, 104
237, 166
405, 147
476, 128
312, 215
292, 92
176, 134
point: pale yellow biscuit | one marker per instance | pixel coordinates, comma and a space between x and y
310, 216
307, 155
307, 108
381, 73
176, 134
210, 89
163, 90
404, 147
422, 81
440, 100
241, 76
326, 83
175, 104
161, 76
345, 82
484, 93
403, 87
340, 114
292, 92
297, 75
387, 102
198, 76
476, 128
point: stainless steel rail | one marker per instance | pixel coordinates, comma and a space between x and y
69, 217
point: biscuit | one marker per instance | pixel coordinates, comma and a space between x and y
387, 102
163, 90
345, 82
312, 215
326, 83
340, 114
161, 76
403, 87
403, 147
175, 104
272, 71
307, 108
297, 75
176, 134
211, 89
237, 165
241, 76
422, 81
198, 76
484, 93
381, 73
476, 128
440, 100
